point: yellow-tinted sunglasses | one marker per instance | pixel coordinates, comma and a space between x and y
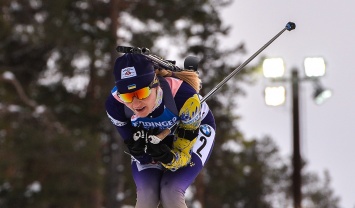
141, 94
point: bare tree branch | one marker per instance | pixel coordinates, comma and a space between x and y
47, 116
10, 78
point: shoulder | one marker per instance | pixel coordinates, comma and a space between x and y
174, 84
183, 93
115, 111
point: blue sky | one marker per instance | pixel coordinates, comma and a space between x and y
324, 28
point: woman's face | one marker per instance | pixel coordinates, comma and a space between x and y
142, 108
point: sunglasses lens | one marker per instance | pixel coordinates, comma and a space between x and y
143, 93
140, 94
127, 97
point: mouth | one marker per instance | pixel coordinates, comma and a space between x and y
139, 109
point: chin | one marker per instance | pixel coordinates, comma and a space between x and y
143, 114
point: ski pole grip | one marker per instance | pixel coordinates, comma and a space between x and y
163, 134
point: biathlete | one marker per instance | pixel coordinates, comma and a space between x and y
146, 101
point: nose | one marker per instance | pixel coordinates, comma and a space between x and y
135, 100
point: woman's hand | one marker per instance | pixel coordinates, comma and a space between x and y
137, 144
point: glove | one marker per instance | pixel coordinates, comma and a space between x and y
160, 152
187, 134
137, 144
151, 136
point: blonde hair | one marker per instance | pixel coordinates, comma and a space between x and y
189, 76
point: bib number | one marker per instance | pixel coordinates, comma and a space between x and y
204, 142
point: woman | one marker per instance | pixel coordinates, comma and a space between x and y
143, 105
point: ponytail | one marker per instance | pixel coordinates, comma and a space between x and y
191, 77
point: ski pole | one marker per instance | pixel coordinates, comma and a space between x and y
289, 26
